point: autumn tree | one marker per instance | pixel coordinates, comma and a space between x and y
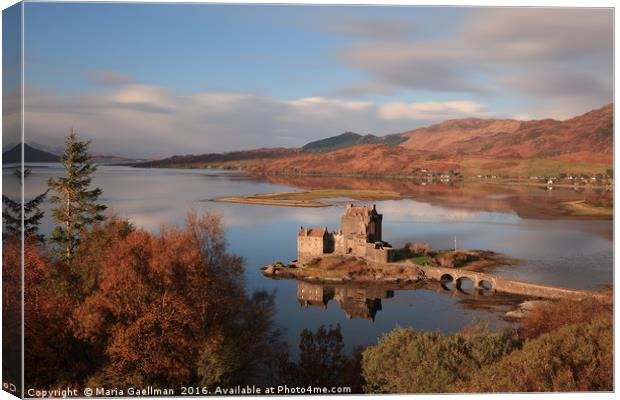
11, 310
321, 355
51, 353
322, 360
171, 309
82, 276
76, 201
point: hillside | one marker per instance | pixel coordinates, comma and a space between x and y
445, 135
233, 159
349, 139
583, 144
30, 154
364, 159
585, 138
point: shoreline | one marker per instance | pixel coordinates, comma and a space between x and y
356, 270
311, 198
345, 268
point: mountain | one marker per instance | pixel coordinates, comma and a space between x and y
362, 159
50, 149
234, 159
349, 139
30, 155
472, 146
585, 138
443, 136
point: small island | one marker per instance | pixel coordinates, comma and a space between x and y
311, 198
357, 253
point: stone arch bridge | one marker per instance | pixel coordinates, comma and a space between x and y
488, 281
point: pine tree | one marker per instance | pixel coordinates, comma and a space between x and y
12, 212
77, 202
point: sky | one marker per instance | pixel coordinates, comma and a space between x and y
152, 80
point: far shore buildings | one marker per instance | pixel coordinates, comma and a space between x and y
359, 235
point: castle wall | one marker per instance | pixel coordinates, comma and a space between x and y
339, 243
352, 225
381, 255
309, 294
309, 247
360, 236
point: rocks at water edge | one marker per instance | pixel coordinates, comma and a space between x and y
526, 307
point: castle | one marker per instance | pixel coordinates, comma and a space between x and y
359, 235
362, 302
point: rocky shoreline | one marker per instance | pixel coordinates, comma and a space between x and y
341, 268
345, 269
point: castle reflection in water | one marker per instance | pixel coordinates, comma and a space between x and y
361, 302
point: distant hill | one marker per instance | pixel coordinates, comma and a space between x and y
585, 138
233, 158
112, 159
472, 146
30, 155
349, 139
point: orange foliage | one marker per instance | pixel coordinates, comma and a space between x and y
11, 310
564, 312
165, 302
47, 336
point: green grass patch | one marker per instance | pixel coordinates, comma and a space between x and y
421, 260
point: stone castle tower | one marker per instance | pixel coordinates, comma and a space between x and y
362, 222
360, 235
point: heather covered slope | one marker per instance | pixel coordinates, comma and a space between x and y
365, 159
583, 144
443, 136
585, 138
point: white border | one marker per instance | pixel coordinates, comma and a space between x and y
482, 3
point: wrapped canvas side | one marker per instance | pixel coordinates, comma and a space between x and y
12, 201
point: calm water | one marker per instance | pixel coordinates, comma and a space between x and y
567, 253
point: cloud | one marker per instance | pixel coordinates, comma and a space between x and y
149, 120
364, 88
431, 110
528, 52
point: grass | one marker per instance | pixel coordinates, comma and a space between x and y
537, 167
309, 198
421, 260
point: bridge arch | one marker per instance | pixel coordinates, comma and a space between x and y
463, 283
446, 280
446, 277
485, 284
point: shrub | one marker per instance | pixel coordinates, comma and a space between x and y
576, 357
561, 313
410, 361
418, 249
454, 259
